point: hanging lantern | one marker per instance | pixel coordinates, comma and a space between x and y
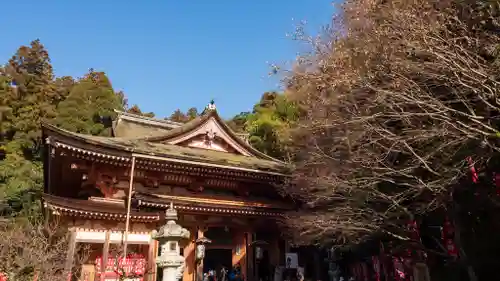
200, 247
448, 230
258, 253
450, 247
200, 252
258, 248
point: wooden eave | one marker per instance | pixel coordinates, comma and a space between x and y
154, 156
206, 205
94, 210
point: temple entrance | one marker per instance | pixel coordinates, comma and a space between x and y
215, 259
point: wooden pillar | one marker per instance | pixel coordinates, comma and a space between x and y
70, 256
317, 264
239, 251
274, 252
105, 255
250, 257
190, 258
199, 266
151, 267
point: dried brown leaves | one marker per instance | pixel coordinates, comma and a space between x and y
32, 251
397, 97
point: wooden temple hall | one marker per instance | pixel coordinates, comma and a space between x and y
112, 192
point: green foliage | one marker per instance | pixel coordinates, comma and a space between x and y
269, 125
181, 117
136, 110
192, 113
91, 99
238, 122
178, 116
29, 95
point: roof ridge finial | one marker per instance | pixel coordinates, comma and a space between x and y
171, 213
211, 105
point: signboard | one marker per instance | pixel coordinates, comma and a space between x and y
132, 265
292, 260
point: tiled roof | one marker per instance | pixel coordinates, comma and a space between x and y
172, 152
193, 204
88, 208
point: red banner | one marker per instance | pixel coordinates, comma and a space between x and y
132, 265
448, 235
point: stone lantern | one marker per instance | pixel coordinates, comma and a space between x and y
169, 237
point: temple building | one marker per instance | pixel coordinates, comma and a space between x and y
112, 192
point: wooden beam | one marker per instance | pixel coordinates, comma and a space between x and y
151, 266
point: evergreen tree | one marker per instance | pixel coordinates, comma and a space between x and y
28, 96
91, 100
270, 124
136, 110
238, 122
192, 113
33, 97
178, 116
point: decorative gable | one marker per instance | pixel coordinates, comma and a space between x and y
209, 135
207, 131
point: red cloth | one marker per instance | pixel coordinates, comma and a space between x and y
376, 267
472, 170
448, 234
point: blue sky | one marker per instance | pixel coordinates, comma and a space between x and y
168, 54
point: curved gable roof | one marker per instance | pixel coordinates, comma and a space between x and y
209, 119
126, 147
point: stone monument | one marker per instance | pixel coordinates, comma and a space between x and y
169, 236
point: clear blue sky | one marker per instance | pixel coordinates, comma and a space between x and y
167, 54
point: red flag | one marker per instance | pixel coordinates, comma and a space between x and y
472, 170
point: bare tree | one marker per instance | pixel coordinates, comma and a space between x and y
34, 251
398, 95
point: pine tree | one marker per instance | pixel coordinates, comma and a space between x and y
91, 100
28, 96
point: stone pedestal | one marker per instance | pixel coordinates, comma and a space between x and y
169, 237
